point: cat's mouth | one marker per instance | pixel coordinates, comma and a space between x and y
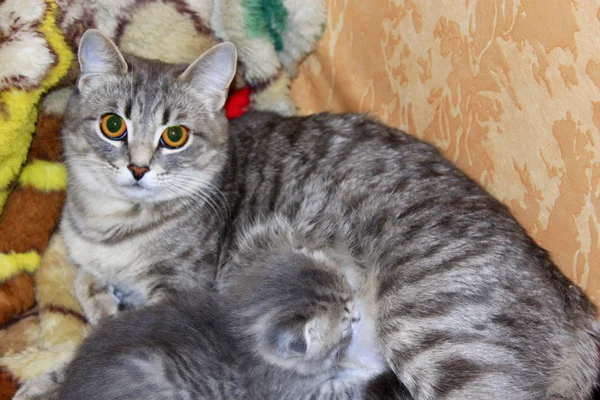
135, 186
137, 190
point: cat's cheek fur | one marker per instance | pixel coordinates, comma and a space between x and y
95, 179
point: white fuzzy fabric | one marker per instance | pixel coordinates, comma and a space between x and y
24, 55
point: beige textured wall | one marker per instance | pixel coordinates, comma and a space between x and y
508, 90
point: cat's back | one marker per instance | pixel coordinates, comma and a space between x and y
324, 131
372, 180
340, 151
181, 350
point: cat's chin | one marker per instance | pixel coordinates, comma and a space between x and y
140, 194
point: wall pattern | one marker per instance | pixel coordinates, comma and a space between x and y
509, 90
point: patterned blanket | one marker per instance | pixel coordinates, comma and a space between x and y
40, 318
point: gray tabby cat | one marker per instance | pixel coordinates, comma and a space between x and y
465, 304
277, 333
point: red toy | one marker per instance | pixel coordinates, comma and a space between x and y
237, 103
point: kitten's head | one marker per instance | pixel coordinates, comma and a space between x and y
145, 131
311, 340
301, 312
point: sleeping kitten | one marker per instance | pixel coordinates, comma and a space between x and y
276, 333
466, 305
274, 238
295, 314
275, 283
174, 350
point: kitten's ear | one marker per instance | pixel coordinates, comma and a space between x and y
98, 55
287, 343
212, 74
314, 331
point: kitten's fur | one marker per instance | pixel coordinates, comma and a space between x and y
467, 305
294, 295
174, 350
277, 332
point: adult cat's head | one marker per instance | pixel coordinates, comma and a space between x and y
144, 131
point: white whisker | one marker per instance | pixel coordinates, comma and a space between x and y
206, 199
212, 194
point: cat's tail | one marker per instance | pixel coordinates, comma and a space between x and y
596, 393
386, 386
579, 374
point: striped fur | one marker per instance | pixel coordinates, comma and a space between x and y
465, 304
130, 236
468, 306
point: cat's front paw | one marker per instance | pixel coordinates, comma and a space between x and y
101, 305
98, 301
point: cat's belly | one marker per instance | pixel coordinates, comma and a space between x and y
362, 358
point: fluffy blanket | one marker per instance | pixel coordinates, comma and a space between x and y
40, 318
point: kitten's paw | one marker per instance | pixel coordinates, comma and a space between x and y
351, 318
354, 315
42, 387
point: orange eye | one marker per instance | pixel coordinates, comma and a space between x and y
113, 127
174, 137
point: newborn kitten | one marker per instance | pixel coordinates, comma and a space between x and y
277, 333
293, 306
267, 244
296, 316
181, 349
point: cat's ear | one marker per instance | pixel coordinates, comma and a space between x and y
212, 73
313, 333
286, 342
98, 56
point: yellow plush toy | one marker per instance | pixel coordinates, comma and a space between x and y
39, 57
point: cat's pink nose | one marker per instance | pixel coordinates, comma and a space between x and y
137, 172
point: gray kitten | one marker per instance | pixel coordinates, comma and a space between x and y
276, 333
174, 350
465, 304
292, 306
